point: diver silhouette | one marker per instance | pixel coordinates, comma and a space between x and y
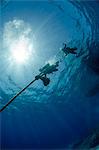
68, 50
45, 80
47, 69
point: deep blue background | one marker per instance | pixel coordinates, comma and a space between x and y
68, 109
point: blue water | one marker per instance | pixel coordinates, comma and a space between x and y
67, 110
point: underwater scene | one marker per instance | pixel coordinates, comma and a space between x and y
49, 74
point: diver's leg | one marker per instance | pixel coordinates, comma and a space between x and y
73, 49
73, 52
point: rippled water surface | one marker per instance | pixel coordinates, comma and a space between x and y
67, 109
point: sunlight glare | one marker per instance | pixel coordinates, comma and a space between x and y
20, 52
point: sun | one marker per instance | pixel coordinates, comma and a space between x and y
19, 56
19, 42
20, 52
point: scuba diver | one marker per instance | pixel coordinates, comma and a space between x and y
47, 69
68, 50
